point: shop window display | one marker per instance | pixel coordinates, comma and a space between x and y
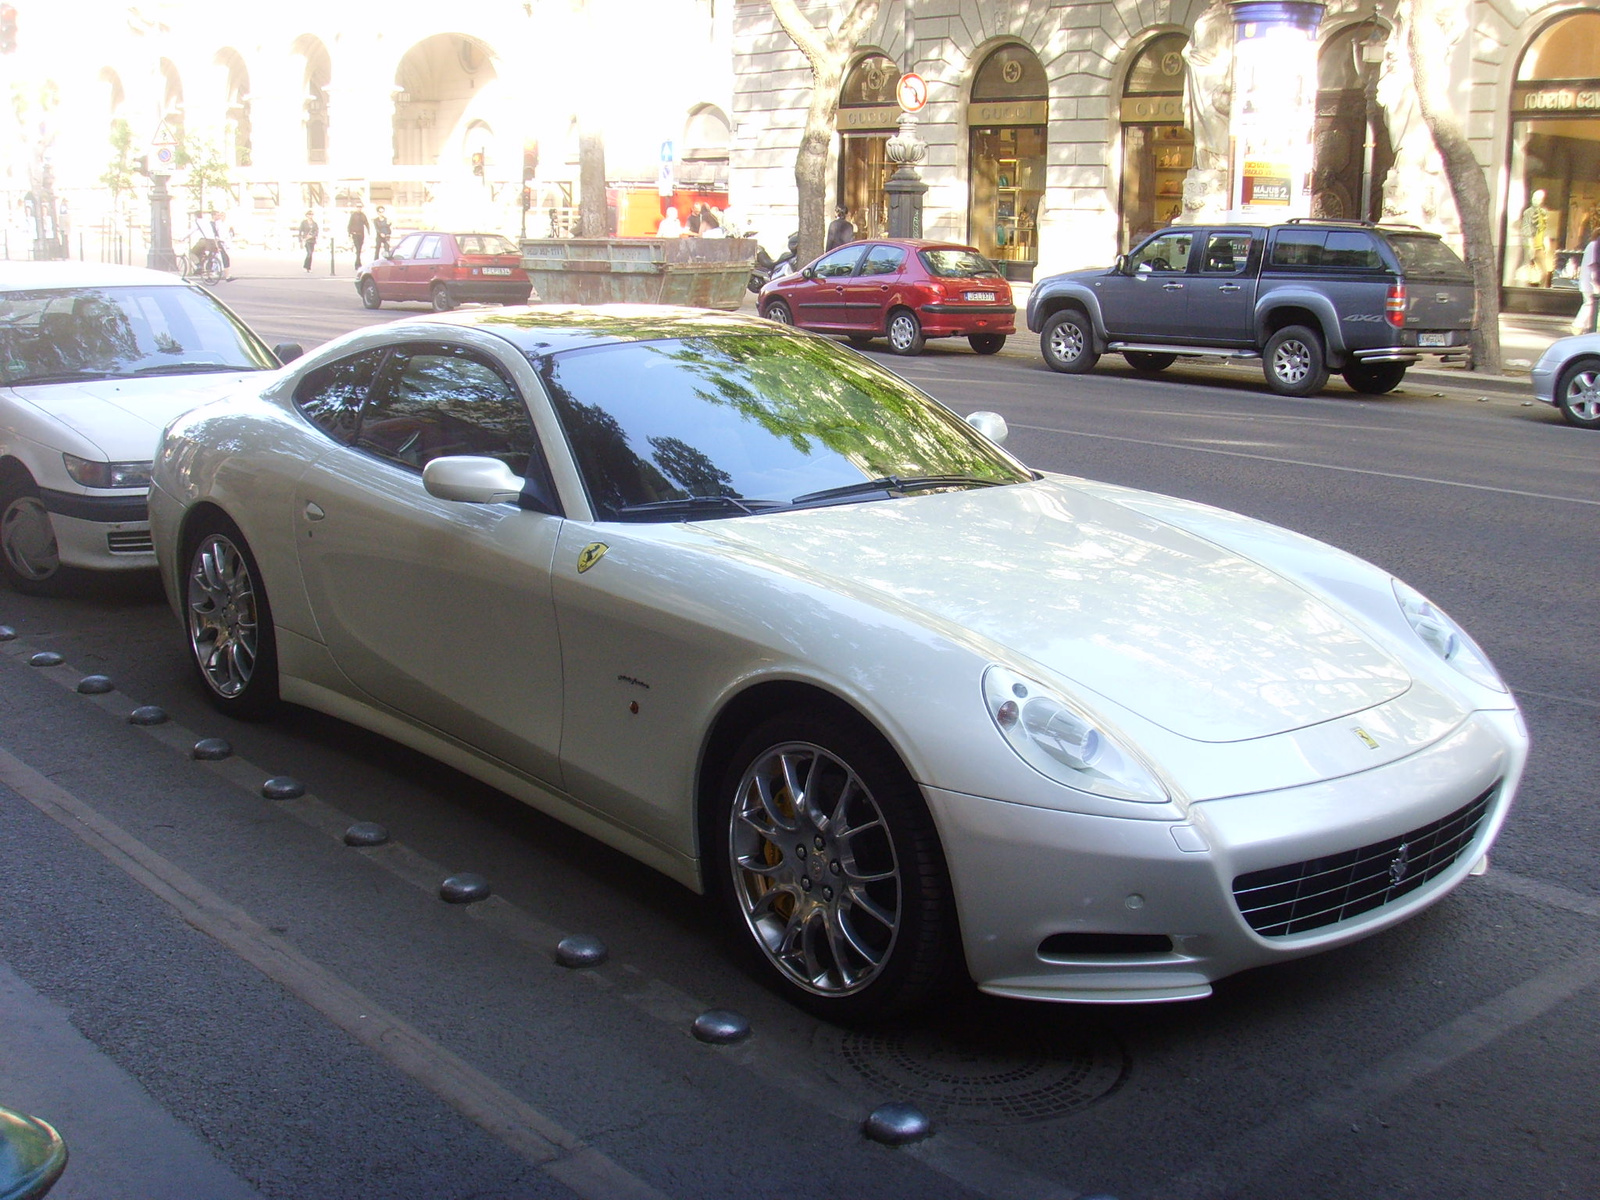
1157, 146
1008, 138
868, 117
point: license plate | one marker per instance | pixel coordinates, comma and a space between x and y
505, 271
1433, 339
977, 295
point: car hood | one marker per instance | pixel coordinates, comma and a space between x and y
125, 417
1199, 640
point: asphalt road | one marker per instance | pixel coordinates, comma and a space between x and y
215, 997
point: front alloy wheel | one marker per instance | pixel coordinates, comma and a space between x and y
834, 870
1067, 343
1578, 394
29, 555
230, 625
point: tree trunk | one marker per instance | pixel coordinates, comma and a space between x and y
592, 221
1430, 41
827, 57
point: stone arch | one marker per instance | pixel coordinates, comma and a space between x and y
315, 78
704, 148
233, 81
445, 85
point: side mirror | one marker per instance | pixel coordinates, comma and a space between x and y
471, 479
809, 273
32, 1156
287, 352
991, 424
1121, 265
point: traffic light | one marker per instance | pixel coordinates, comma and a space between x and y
527, 198
477, 163
8, 29
530, 161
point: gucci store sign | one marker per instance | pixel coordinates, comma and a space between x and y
1165, 110
1009, 112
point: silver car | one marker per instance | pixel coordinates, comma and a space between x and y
1568, 376
94, 361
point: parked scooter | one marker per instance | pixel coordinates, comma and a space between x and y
766, 268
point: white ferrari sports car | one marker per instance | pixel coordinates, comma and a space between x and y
736, 600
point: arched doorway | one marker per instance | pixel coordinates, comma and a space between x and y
235, 107
1553, 185
316, 75
1352, 154
1157, 147
868, 117
1007, 138
438, 80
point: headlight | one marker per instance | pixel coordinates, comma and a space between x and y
1056, 740
1445, 638
107, 475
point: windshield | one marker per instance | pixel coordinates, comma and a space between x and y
957, 264
62, 334
484, 243
1426, 257
686, 426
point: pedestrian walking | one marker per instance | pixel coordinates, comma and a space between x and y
1589, 285
380, 234
840, 231
308, 237
357, 228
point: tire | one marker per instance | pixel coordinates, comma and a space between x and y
30, 560
854, 927
228, 621
1578, 393
1293, 362
369, 293
905, 332
986, 343
779, 311
859, 340
1067, 343
1376, 379
440, 295
1148, 360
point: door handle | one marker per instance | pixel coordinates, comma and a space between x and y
1228, 287
314, 511
1172, 287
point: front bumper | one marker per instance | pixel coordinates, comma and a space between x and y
1035, 887
101, 533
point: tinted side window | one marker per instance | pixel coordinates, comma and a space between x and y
436, 400
1351, 248
840, 262
883, 260
331, 396
1298, 247
1226, 253
1170, 252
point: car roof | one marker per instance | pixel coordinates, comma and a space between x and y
914, 244
551, 328
34, 276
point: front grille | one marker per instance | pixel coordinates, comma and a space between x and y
137, 542
1281, 901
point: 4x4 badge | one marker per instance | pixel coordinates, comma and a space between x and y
591, 554
1370, 741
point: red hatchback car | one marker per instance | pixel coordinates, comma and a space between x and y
907, 291
447, 269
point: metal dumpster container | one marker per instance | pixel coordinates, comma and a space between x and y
698, 272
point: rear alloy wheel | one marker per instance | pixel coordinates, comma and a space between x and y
369, 293
1374, 379
29, 556
779, 311
1067, 343
905, 332
1293, 362
1578, 393
986, 343
830, 870
229, 621
440, 295
1148, 360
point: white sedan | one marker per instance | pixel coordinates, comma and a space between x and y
743, 604
94, 361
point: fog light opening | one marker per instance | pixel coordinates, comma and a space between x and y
1104, 945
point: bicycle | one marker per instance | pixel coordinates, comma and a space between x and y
204, 266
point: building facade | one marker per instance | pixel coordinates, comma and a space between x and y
1059, 132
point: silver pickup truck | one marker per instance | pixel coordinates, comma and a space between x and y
1306, 297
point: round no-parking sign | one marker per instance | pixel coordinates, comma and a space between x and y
911, 92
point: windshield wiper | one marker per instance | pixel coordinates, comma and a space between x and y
61, 377
186, 368
889, 484
696, 504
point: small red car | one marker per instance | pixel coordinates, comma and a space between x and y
907, 291
447, 269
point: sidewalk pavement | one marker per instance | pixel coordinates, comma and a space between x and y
1523, 336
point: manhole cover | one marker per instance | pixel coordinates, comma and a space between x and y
985, 1079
